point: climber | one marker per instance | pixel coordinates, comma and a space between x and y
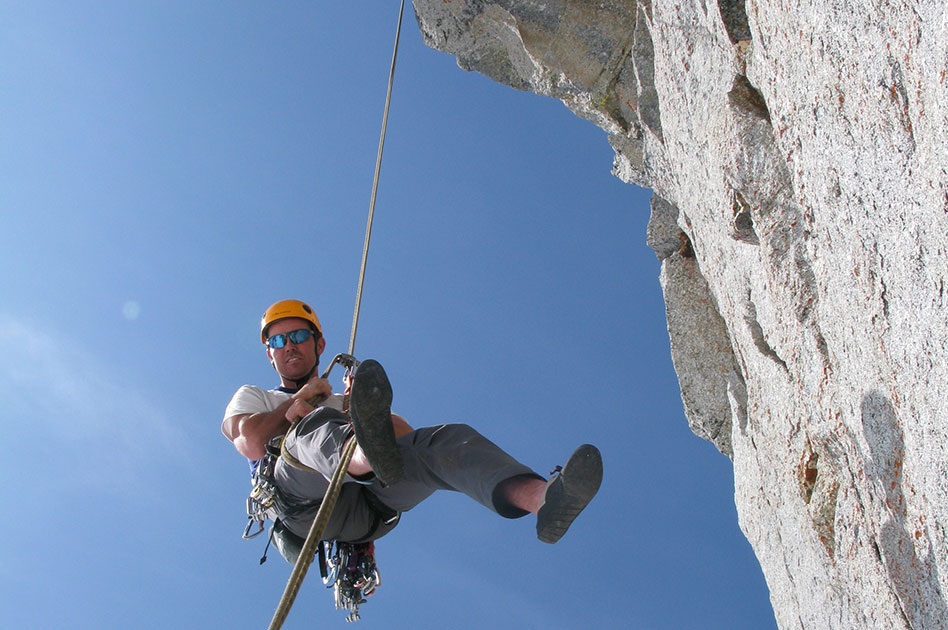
394, 467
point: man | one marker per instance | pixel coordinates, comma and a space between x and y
394, 466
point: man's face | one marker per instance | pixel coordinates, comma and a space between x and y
294, 361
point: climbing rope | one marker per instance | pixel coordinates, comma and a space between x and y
375, 184
312, 540
321, 519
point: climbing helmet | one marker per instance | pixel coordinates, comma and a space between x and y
285, 309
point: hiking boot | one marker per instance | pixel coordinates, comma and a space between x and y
569, 492
370, 402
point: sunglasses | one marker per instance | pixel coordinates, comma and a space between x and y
295, 336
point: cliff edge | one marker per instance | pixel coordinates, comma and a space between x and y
797, 153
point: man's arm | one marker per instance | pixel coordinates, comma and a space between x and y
250, 432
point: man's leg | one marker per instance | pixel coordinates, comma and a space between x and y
317, 443
453, 457
456, 457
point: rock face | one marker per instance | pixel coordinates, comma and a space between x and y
797, 152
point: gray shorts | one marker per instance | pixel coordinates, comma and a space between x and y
445, 457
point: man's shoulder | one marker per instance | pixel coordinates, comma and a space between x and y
256, 391
253, 399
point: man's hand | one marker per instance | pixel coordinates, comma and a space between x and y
304, 401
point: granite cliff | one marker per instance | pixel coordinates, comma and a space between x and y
797, 154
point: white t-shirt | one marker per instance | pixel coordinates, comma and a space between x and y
252, 399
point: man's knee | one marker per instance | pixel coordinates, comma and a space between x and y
438, 434
323, 417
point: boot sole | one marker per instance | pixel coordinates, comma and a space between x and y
370, 406
569, 493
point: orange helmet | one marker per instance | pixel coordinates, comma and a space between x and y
285, 309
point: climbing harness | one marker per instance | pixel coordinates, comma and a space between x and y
266, 502
356, 575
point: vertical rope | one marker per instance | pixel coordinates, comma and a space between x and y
375, 186
332, 494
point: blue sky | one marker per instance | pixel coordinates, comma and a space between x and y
167, 170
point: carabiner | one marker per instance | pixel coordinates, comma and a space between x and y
250, 522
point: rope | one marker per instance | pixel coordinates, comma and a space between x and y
375, 185
318, 527
290, 459
312, 540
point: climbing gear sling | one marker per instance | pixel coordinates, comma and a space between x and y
350, 569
